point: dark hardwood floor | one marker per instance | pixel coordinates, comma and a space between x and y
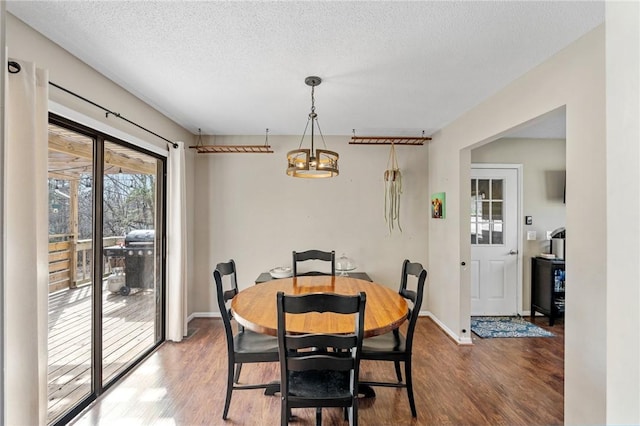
511, 381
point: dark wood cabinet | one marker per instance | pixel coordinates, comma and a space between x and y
547, 287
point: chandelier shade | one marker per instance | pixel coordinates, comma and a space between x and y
310, 163
303, 164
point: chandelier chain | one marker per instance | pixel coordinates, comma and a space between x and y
320, 131
304, 133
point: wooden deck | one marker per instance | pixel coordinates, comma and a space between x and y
128, 328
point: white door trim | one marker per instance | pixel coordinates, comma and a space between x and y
518, 168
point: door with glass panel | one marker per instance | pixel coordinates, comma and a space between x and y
71, 267
494, 241
132, 228
106, 227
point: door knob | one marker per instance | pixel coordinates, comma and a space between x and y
512, 252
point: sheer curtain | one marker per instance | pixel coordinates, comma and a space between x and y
26, 245
176, 245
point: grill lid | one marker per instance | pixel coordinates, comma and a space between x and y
140, 236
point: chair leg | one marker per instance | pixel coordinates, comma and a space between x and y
236, 377
318, 416
227, 401
398, 372
407, 373
285, 413
353, 421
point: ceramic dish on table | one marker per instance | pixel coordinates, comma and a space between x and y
281, 272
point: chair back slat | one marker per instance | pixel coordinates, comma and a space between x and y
321, 302
338, 341
321, 362
229, 294
227, 268
409, 294
303, 256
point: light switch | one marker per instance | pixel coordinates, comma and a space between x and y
531, 235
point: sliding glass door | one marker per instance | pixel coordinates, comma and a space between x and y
132, 222
106, 262
71, 183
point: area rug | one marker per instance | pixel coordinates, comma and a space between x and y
489, 327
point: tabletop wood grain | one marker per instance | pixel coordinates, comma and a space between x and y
255, 307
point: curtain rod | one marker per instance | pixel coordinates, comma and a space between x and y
115, 114
15, 68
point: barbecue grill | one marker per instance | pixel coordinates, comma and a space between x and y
137, 258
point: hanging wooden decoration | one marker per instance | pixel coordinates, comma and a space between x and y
232, 149
388, 140
392, 191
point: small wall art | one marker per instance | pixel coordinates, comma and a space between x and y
438, 205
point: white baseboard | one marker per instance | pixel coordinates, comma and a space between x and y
203, 315
459, 340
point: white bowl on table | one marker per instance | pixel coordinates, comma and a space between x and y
281, 272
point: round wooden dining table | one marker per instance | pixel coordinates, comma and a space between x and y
255, 307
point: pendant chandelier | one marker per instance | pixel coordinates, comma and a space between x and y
307, 163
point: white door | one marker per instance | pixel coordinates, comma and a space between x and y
494, 241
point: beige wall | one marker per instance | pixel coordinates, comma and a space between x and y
543, 167
248, 209
623, 213
573, 78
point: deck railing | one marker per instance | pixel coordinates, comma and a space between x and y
71, 261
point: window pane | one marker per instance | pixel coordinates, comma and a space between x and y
486, 210
483, 234
496, 210
496, 189
473, 233
497, 235
483, 189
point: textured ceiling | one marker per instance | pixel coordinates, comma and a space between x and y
388, 68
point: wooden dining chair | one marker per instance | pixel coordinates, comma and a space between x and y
395, 346
245, 346
312, 377
303, 256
